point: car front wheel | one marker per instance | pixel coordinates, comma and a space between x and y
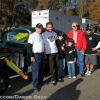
4, 81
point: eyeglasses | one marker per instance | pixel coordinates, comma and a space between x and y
74, 26
88, 29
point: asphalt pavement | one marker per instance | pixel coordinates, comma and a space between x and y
81, 88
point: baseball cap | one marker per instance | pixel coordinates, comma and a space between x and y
70, 40
88, 28
61, 34
39, 25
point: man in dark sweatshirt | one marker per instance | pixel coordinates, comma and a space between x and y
93, 43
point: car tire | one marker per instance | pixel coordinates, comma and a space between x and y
4, 81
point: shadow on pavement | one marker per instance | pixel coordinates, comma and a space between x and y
18, 83
68, 92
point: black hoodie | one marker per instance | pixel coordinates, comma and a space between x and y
71, 56
60, 51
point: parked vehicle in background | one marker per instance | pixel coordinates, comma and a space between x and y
60, 21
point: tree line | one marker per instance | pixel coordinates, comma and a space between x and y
18, 12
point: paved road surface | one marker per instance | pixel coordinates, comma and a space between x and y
81, 88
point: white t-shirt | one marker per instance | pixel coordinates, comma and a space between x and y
49, 41
37, 41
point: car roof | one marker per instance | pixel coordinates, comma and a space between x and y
29, 29
32, 29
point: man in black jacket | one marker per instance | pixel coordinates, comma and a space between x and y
93, 43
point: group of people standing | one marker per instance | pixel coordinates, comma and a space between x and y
57, 50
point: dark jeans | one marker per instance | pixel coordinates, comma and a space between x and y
38, 69
54, 65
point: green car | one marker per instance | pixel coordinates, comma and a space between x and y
14, 46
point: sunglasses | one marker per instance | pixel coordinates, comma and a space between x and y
74, 26
88, 29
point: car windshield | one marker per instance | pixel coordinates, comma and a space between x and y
17, 35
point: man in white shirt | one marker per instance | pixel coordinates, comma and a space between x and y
51, 51
36, 51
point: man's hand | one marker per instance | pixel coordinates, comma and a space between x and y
93, 49
32, 59
45, 56
70, 51
74, 59
82, 52
62, 47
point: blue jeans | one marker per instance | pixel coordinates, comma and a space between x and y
62, 67
71, 69
80, 61
38, 69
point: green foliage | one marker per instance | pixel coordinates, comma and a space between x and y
94, 11
14, 12
18, 12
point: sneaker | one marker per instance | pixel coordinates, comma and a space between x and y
69, 76
74, 77
35, 88
89, 73
82, 75
53, 82
86, 73
61, 80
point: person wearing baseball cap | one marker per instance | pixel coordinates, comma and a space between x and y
36, 51
39, 25
93, 43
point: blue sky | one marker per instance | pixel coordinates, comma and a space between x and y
72, 1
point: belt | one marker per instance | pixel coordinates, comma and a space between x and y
38, 52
